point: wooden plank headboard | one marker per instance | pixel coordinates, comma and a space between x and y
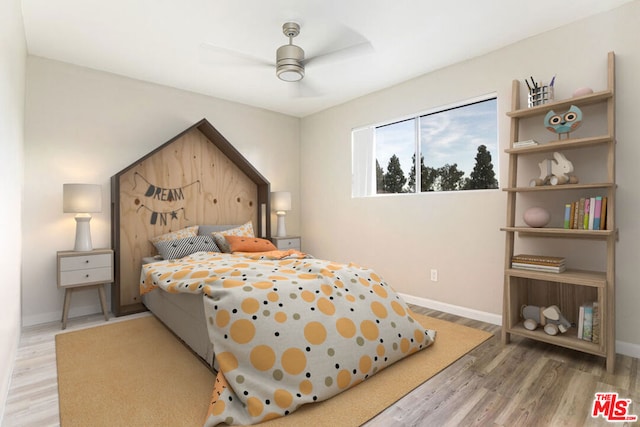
195, 178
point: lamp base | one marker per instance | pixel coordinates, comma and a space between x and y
83, 233
281, 231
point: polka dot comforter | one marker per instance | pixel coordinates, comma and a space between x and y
288, 329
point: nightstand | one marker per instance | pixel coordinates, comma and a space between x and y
289, 242
84, 270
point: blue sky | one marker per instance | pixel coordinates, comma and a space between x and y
451, 136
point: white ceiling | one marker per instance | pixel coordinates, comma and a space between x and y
184, 43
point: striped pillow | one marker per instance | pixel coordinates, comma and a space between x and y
172, 249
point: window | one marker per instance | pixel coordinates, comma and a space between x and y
448, 149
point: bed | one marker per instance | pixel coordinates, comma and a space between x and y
280, 328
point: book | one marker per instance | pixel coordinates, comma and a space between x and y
567, 215
573, 212
538, 267
603, 214
527, 143
597, 213
542, 263
585, 218
576, 214
581, 213
538, 258
580, 321
588, 322
595, 330
592, 212
538, 264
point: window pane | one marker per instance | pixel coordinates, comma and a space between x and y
395, 145
459, 147
457, 150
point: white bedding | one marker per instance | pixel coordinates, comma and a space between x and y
184, 315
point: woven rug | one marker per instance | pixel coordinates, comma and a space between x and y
137, 373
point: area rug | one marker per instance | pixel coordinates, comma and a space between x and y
137, 373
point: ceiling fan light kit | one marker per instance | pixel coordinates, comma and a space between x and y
288, 63
289, 57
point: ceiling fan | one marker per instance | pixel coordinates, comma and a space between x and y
290, 61
289, 57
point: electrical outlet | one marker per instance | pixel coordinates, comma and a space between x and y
434, 275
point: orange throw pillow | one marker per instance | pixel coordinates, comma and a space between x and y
249, 244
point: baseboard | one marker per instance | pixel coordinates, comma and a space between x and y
628, 349
40, 318
469, 313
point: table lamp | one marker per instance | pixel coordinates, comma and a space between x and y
83, 200
281, 203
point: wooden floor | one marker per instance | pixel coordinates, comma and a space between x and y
525, 383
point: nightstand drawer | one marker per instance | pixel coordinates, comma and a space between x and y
86, 275
284, 243
85, 261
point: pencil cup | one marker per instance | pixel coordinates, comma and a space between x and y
540, 95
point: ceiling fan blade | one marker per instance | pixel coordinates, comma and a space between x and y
302, 89
308, 90
212, 54
343, 54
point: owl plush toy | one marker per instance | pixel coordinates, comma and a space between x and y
563, 123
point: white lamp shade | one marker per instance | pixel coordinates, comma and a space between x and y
281, 201
81, 198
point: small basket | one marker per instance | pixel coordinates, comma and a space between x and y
540, 95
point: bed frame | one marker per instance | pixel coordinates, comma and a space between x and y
195, 178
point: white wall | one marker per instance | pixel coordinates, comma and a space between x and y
12, 81
404, 236
85, 126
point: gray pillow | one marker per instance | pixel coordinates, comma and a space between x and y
172, 249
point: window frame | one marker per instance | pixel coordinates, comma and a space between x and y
356, 183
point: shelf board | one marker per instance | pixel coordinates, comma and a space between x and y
592, 98
560, 187
565, 144
560, 232
596, 279
569, 339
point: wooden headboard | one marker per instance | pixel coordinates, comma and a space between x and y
195, 178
